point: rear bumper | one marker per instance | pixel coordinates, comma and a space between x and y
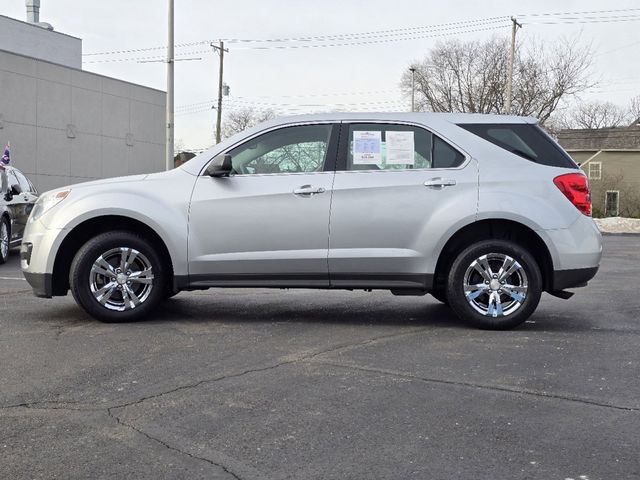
572, 278
41, 283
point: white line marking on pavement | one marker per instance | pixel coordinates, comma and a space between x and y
12, 278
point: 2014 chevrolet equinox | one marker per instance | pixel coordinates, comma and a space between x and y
483, 212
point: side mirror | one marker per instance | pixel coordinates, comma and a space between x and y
220, 167
16, 189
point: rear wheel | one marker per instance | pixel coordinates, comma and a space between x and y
4, 239
494, 284
118, 277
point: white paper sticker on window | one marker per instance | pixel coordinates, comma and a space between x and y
400, 148
366, 148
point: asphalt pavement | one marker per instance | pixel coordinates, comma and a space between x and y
304, 384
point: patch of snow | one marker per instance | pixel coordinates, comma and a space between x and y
618, 225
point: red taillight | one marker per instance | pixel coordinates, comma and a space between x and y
575, 187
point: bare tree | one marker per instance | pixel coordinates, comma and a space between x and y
634, 108
237, 120
598, 115
472, 77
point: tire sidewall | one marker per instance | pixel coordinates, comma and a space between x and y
80, 274
455, 285
5, 221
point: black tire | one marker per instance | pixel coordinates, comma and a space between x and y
4, 223
81, 279
440, 295
528, 272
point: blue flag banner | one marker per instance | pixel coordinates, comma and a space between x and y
6, 158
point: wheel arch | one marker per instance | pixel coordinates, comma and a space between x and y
87, 229
495, 228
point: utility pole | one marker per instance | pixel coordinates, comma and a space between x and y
170, 91
220, 49
413, 88
507, 101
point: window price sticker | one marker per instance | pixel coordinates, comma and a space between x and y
366, 148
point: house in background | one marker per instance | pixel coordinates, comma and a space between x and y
611, 159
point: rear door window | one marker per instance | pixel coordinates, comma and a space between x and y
376, 146
523, 139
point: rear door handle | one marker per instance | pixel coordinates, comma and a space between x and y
308, 190
439, 182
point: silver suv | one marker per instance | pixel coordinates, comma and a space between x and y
483, 212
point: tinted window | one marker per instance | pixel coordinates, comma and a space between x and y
287, 150
375, 146
525, 140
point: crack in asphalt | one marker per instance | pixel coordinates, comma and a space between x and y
119, 421
45, 405
495, 388
296, 359
56, 405
50, 405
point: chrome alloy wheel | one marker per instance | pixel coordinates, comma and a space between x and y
121, 279
4, 239
495, 285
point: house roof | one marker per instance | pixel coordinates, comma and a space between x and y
618, 138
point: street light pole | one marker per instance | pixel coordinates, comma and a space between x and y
170, 91
413, 88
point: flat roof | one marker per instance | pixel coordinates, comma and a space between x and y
34, 25
80, 70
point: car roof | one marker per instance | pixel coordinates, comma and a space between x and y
420, 117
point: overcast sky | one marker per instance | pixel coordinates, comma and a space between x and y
364, 76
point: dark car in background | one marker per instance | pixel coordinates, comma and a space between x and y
17, 197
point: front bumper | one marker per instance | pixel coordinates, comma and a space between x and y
37, 256
41, 283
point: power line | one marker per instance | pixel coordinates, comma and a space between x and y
376, 33
147, 58
323, 45
376, 42
588, 12
136, 50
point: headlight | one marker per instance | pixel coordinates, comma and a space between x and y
46, 202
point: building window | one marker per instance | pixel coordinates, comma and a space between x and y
612, 203
595, 170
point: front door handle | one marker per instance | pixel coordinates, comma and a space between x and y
439, 182
308, 190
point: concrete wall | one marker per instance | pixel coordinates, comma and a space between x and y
34, 41
67, 126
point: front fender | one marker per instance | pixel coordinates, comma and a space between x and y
159, 204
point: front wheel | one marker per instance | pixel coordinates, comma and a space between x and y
494, 284
117, 277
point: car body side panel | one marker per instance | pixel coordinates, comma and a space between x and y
160, 201
256, 225
516, 189
389, 222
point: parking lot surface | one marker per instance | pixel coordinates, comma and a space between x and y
275, 384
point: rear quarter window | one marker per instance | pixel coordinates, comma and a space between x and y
523, 139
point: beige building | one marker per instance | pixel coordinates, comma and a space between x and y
611, 159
